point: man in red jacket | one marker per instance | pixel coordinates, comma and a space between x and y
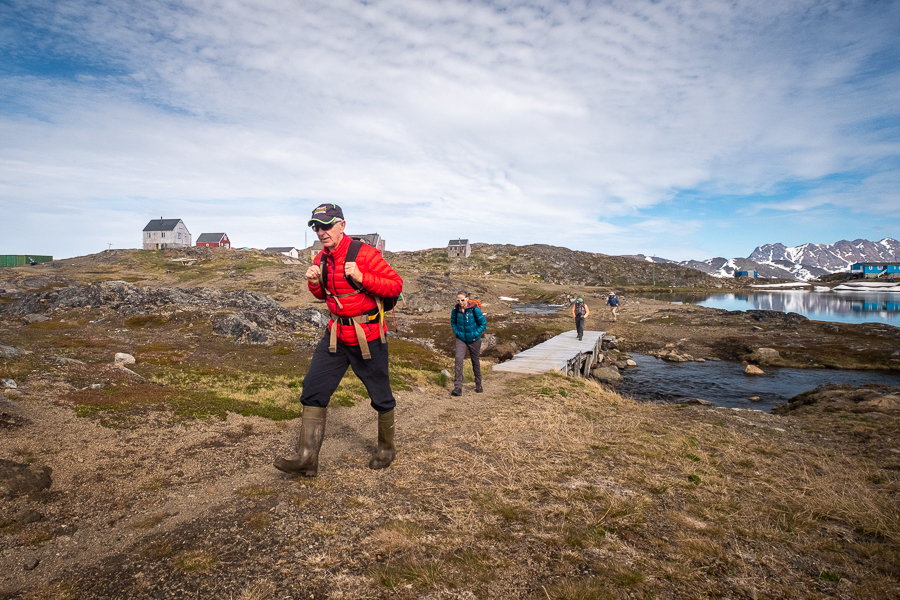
355, 338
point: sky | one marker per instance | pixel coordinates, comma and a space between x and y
684, 130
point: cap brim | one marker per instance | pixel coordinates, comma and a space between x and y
331, 220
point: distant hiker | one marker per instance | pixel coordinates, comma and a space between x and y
468, 324
580, 310
613, 303
355, 337
31, 261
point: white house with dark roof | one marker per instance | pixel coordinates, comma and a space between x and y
214, 240
459, 249
166, 233
288, 251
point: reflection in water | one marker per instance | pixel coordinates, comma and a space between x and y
844, 307
725, 384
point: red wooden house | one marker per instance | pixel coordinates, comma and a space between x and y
214, 240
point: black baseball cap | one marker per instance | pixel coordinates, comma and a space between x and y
325, 214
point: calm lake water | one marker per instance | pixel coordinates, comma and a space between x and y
842, 307
725, 384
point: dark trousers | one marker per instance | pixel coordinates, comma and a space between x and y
579, 326
327, 369
474, 354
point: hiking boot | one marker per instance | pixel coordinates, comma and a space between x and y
479, 390
305, 461
456, 392
385, 453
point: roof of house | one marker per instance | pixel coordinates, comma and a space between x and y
369, 238
162, 224
280, 249
876, 264
458, 242
210, 237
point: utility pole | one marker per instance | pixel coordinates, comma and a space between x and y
109, 245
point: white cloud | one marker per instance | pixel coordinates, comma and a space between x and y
431, 120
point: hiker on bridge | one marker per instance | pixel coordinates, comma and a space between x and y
613, 302
580, 311
468, 324
352, 278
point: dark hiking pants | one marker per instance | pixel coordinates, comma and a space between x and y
475, 355
579, 326
327, 369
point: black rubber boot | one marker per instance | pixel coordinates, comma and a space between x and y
306, 460
385, 453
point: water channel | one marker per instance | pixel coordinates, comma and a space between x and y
842, 307
725, 384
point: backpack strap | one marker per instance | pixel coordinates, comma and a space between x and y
352, 252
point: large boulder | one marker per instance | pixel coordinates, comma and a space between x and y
606, 374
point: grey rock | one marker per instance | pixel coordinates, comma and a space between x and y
606, 374
30, 563
9, 383
17, 479
699, 401
10, 352
767, 353
127, 370
66, 361
123, 358
34, 318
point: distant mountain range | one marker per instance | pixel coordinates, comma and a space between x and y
805, 262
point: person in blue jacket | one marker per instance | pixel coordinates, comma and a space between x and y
468, 325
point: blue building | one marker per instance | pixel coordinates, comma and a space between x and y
872, 270
746, 274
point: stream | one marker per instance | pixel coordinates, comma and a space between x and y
725, 384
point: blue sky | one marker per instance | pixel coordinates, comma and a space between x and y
685, 129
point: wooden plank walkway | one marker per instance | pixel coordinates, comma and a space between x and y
564, 353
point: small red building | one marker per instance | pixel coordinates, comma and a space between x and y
214, 240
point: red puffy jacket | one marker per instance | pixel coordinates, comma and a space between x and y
378, 278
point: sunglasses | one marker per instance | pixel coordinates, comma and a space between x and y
462, 299
325, 227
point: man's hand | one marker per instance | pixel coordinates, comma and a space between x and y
312, 274
352, 272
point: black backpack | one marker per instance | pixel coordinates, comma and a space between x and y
384, 302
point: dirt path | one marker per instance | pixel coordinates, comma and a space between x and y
115, 489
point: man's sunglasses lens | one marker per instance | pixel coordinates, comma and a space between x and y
327, 227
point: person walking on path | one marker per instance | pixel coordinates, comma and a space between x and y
580, 311
468, 324
613, 303
355, 337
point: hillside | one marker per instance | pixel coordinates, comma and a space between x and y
155, 481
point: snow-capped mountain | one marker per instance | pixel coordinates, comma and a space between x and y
830, 257
805, 262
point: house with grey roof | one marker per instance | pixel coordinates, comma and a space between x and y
214, 240
288, 251
166, 233
459, 249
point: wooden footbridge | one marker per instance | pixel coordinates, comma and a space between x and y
564, 353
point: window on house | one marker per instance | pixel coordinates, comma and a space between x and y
179, 235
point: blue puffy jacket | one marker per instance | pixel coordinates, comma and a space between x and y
468, 324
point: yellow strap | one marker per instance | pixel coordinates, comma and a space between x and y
332, 347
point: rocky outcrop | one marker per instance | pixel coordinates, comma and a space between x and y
831, 398
606, 374
253, 317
